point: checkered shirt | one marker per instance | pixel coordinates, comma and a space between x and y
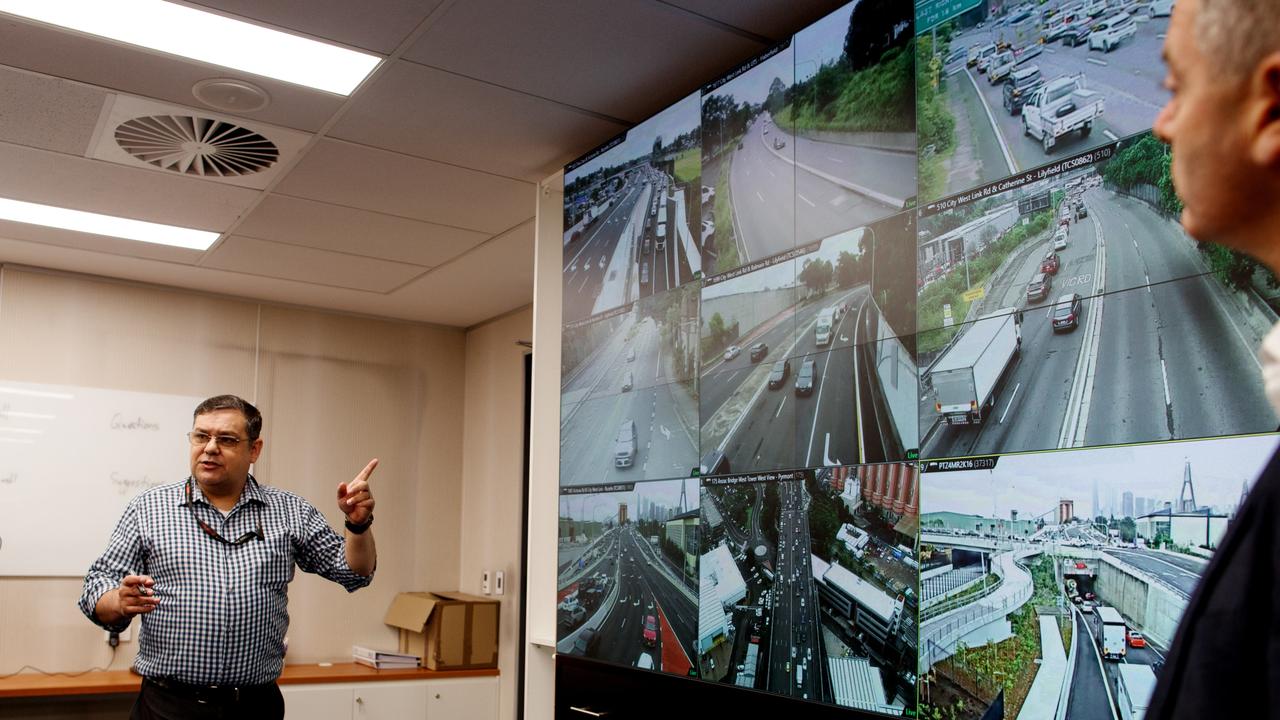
223, 609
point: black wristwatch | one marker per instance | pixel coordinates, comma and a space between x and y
359, 529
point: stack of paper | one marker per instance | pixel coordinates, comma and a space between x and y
382, 659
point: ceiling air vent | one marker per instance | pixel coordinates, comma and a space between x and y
197, 146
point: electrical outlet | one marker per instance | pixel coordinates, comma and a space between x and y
499, 579
484, 582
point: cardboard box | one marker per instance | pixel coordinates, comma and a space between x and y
450, 630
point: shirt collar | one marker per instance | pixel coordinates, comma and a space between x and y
252, 492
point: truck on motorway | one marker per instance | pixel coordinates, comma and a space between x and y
746, 675
822, 328
965, 378
1111, 637
1059, 108
1134, 685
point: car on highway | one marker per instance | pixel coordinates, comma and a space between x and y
1096, 8
1108, 34
1022, 82
645, 662
779, 143
1066, 312
805, 380
708, 229
1038, 288
1161, 8
1077, 33
1136, 640
624, 444
661, 234
732, 352
984, 56
1000, 66
585, 643
644, 273
758, 351
628, 382
766, 130
779, 374
631, 354
1060, 239
1049, 265
650, 633
956, 56
708, 194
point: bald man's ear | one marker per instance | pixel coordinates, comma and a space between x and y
1264, 106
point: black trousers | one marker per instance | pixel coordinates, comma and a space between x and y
170, 703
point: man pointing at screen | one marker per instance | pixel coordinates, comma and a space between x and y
207, 561
1223, 123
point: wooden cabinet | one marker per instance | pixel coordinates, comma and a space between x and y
454, 699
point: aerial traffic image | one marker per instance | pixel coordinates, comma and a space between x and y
1053, 583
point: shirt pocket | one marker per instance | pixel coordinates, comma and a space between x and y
272, 561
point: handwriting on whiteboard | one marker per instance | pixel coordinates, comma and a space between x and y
119, 422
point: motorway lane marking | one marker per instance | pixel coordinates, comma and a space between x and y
1096, 61
759, 196
1011, 397
1004, 146
835, 159
1164, 375
1110, 135
771, 174
816, 409
779, 412
585, 279
802, 197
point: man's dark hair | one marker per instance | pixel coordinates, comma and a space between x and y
253, 418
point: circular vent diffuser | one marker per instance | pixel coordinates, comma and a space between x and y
196, 146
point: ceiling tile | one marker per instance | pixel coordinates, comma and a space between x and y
624, 58
95, 186
769, 18
430, 113
318, 267
46, 112
377, 25
386, 182
48, 50
495, 278
360, 232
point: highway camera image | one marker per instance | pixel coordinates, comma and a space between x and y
1054, 582
806, 360
807, 583
1011, 86
1071, 312
632, 223
628, 575
629, 396
811, 141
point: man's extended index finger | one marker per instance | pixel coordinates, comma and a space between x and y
368, 470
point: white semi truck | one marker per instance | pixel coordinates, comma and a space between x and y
965, 378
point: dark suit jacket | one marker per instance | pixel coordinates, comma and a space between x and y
1225, 659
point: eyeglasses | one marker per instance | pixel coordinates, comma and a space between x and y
225, 442
214, 533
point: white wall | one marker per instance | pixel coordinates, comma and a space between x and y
544, 460
493, 477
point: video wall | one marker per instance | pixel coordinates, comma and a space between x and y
889, 379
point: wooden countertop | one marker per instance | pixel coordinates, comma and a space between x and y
105, 682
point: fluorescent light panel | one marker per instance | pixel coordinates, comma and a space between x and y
93, 223
206, 37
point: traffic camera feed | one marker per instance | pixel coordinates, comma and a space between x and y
627, 577
1010, 88
808, 588
1081, 560
791, 296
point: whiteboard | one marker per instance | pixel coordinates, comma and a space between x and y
71, 458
